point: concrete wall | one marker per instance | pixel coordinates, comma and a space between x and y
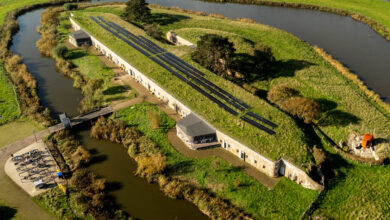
297, 175
177, 40
263, 164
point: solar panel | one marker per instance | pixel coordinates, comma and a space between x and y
257, 125
94, 19
261, 119
102, 19
188, 71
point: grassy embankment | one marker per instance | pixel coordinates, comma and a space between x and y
359, 190
9, 107
348, 109
295, 149
91, 67
218, 176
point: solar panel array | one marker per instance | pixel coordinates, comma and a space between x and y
186, 73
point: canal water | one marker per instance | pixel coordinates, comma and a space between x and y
353, 43
133, 194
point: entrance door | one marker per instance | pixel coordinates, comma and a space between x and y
282, 170
224, 144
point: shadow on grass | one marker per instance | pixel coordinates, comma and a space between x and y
338, 117
381, 141
116, 90
75, 54
183, 167
7, 212
282, 68
166, 19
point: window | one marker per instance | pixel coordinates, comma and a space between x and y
263, 166
255, 161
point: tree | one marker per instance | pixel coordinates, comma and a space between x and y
137, 11
262, 58
60, 50
215, 53
153, 30
70, 6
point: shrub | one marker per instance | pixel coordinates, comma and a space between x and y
148, 166
319, 155
281, 93
153, 30
70, 6
287, 99
60, 51
306, 109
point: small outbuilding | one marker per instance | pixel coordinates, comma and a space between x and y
196, 133
79, 38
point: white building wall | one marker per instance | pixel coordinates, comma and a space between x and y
263, 164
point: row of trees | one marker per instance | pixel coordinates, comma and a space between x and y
217, 54
152, 165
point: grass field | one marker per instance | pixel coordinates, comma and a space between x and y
296, 148
217, 175
346, 109
9, 5
16, 130
9, 108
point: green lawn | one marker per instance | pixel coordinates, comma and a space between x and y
295, 147
9, 108
92, 67
9, 5
360, 192
217, 175
17, 130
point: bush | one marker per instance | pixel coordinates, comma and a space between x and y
281, 93
60, 51
153, 30
148, 166
70, 6
288, 100
319, 155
